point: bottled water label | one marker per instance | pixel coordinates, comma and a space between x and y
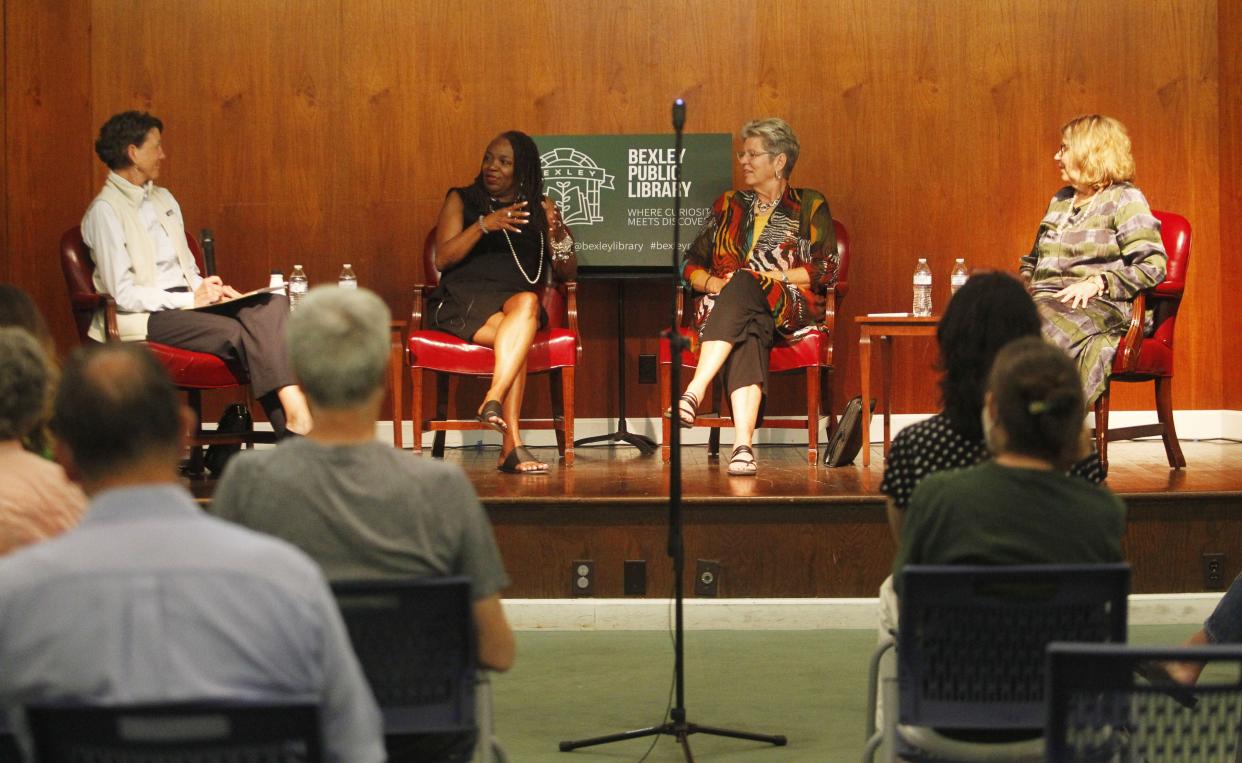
348, 283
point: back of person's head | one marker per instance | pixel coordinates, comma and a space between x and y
129, 128
115, 407
990, 310
18, 309
24, 376
339, 343
1039, 402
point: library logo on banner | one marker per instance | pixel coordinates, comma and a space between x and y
574, 180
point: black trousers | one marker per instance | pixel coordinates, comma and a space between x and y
742, 318
250, 334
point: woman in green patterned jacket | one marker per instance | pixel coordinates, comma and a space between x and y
1097, 247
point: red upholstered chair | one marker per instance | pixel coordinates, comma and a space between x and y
192, 372
1146, 351
810, 353
554, 351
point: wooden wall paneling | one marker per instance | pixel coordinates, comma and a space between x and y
329, 131
1229, 281
47, 60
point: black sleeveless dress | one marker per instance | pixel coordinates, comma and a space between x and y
476, 288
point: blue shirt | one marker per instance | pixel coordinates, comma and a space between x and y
150, 600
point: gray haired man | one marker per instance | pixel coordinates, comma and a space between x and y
359, 507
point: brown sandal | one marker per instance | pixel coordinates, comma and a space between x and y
492, 416
518, 456
687, 410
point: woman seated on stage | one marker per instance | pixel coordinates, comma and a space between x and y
987, 313
760, 266
1097, 247
493, 254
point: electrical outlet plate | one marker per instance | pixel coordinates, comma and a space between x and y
1213, 572
707, 578
635, 577
647, 369
582, 577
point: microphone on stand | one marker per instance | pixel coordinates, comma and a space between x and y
209, 252
679, 114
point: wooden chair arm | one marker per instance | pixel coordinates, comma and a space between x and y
111, 331
1132, 342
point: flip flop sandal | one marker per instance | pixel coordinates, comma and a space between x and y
687, 410
1158, 676
518, 456
492, 416
742, 462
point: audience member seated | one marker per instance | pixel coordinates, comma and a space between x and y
988, 312
18, 309
1019, 507
1223, 626
148, 599
37, 500
359, 507
137, 239
495, 238
1096, 248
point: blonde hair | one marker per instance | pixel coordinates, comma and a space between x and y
1100, 147
777, 136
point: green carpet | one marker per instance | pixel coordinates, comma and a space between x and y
807, 685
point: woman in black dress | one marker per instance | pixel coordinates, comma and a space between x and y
494, 250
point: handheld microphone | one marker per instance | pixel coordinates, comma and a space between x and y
679, 114
209, 252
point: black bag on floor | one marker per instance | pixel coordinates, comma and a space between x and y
235, 420
846, 441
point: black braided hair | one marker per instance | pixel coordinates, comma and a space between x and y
527, 177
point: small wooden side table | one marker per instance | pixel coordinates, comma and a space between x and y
884, 327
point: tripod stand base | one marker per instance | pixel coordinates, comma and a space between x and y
645, 444
680, 730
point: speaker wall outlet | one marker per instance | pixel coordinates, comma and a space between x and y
582, 577
707, 577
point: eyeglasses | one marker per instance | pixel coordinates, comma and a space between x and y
752, 154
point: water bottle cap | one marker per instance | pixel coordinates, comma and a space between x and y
297, 266
961, 260
348, 265
922, 259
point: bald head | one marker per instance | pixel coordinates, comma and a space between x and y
115, 407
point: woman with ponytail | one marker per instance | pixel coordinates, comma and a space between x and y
1020, 507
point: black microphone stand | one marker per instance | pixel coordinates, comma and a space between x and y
677, 727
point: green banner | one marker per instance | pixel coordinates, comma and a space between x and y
616, 193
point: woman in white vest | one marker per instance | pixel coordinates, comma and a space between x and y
137, 239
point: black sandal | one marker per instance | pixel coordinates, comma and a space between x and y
742, 463
492, 416
685, 414
518, 456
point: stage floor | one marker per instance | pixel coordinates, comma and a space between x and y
805, 531
621, 474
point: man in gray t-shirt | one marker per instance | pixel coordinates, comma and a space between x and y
357, 506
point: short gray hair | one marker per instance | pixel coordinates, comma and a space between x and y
777, 136
24, 378
339, 343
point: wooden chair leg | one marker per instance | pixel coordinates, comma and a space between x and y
825, 401
1101, 428
416, 407
666, 402
442, 395
812, 414
567, 396
557, 396
1164, 410
194, 398
395, 390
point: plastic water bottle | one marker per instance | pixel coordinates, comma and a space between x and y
958, 276
347, 279
298, 286
922, 289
